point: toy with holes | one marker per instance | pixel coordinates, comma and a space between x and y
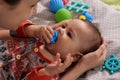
78, 6
112, 64
55, 36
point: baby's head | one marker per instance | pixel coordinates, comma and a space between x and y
77, 37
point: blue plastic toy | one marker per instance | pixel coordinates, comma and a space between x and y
112, 64
55, 36
78, 6
55, 5
88, 16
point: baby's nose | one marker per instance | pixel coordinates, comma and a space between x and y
61, 31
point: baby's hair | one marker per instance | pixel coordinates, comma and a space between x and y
12, 2
95, 41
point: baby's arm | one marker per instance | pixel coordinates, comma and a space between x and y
88, 62
50, 70
4, 34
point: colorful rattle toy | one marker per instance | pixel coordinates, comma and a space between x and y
55, 5
55, 36
112, 64
86, 16
65, 1
80, 7
62, 14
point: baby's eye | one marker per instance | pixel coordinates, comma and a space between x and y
63, 26
69, 34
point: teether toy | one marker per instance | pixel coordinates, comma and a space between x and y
63, 14
112, 64
55, 5
88, 16
78, 6
54, 37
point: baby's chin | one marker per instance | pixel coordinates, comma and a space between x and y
54, 49
50, 48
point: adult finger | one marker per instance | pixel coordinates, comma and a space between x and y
102, 58
48, 34
45, 37
50, 30
100, 50
59, 24
104, 41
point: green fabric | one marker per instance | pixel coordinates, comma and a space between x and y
114, 3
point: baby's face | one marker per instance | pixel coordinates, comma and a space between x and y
70, 38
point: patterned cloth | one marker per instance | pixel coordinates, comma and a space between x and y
17, 58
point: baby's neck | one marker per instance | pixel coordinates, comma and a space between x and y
46, 53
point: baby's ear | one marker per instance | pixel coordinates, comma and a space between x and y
77, 56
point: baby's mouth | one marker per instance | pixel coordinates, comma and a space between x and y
55, 36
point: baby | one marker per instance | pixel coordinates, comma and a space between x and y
76, 37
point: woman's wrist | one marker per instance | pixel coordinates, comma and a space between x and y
78, 70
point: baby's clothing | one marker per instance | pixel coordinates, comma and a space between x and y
18, 61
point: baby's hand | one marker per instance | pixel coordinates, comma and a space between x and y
57, 66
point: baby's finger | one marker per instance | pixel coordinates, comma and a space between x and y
59, 63
59, 68
67, 62
57, 57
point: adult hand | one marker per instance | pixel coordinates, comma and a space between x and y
90, 60
95, 58
44, 33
